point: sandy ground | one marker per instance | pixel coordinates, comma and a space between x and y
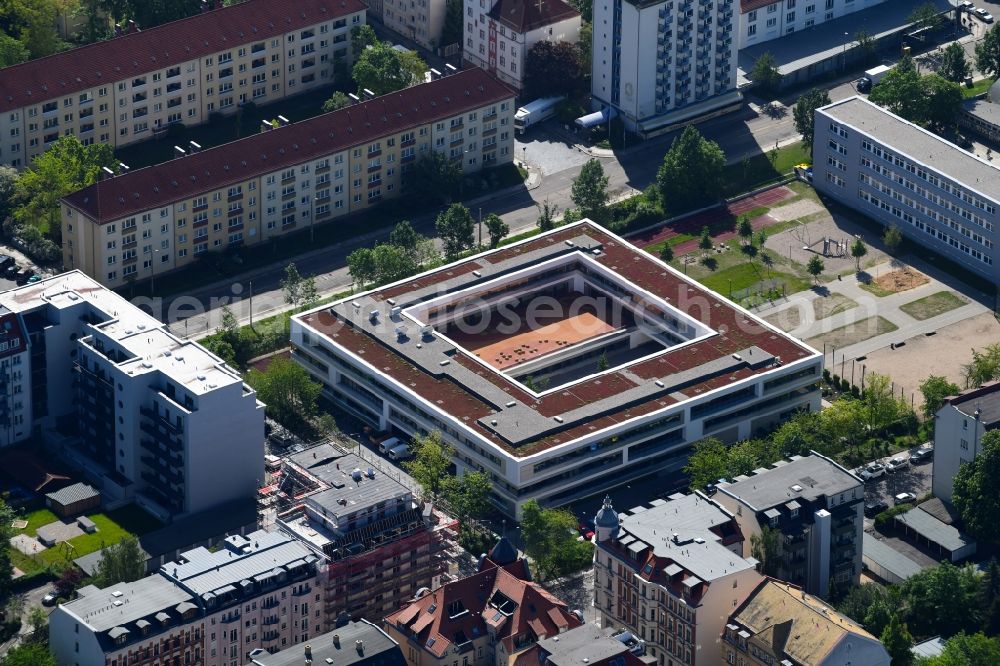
941, 354
901, 280
26, 544
789, 243
795, 210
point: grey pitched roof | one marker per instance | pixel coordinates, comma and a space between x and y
934, 530
814, 476
73, 493
503, 552
378, 649
120, 604
587, 641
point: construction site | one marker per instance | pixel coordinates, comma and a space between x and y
381, 545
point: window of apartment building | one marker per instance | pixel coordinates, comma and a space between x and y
772, 8
751, 30
752, 16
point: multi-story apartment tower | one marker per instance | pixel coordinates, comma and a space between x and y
898, 173
258, 592
764, 20
816, 506
959, 427
499, 33
132, 87
419, 20
158, 219
661, 64
381, 546
671, 573
144, 414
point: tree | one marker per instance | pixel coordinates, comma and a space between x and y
33, 24
892, 237
362, 267
123, 562
967, 650
879, 404
338, 100
430, 462
546, 216
496, 228
942, 600
404, 236
65, 167
988, 52
984, 366
744, 229
804, 113
944, 100
935, 389
667, 253
68, 581
451, 33
705, 239
925, 16
433, 179
8, 189
586, 9
6, 568
291, 286
393, 262
815, 267
12, 51
469, 495
870, 605
954, 65
30, 654
456, 228
550, 541
901, 91
977, 489
765, 548
362, 36
288, 391
151, 13
590, 188
38, 619
552, 68
413, 64
858, 251
691, 173
707, 463
381, 70
586, 45
765, 73
898, 641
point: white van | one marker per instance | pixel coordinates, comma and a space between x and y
401, 452
387, 445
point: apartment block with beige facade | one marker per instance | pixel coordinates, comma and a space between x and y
208, 608
158, 219
419, 20
133, 87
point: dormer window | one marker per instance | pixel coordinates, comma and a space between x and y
456, 608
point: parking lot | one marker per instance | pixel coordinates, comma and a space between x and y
915, 478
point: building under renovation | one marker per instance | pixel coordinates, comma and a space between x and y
380, 544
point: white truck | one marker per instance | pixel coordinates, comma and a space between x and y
872, 77
535, 112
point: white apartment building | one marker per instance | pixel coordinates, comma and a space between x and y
671, 573
764, 20
151, 221
419, 20
15, 380
261, 591
499, 33
659, 65
959, 427
133, 87
145, 414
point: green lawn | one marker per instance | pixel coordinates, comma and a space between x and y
759, 170
978, 88
933, 305
745, 275
111, 528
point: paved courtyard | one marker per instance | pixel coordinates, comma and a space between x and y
26, 544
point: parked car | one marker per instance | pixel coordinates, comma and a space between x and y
905, 498
23, 275
6, 261
34, 278
586, 532
875, 507
897, 464
872, 471
984, 15
387, 445
401, 452
965, 6
49, 599
10, 271
922, 455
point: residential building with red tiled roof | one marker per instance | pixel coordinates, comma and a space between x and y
282, 180
132, 87
671, 573
562, 365
490, 618
499, 33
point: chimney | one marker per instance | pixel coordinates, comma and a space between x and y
354, 98
360, 645
284, 121
179, 152
195, 147
368, 93
309, 652
336, 641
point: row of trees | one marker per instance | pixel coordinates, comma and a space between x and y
925, 100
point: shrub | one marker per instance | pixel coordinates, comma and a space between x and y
845, 385
826, 375
856, 392
884, 520
836, 381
